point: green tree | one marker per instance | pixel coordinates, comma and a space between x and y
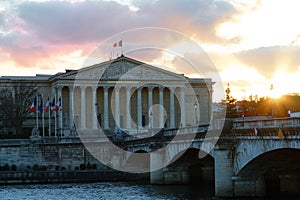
15, 102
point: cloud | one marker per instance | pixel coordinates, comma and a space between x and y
39, 30
1, 19
270, 60
192, 17
194, 63
64, 22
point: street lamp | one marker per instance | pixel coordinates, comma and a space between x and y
150, 122
195, 107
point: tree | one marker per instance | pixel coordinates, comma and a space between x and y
230, 104
15, 102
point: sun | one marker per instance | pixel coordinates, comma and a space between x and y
275, 94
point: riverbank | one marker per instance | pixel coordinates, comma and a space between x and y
68, 176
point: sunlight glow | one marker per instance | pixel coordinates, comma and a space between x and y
264, 25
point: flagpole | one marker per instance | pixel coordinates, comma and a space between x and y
49, 117
61, 117
122, 46
55, 126
43, 115
37, 115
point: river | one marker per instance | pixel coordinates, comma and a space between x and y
104, 190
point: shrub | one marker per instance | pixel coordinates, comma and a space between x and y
93, 166
43, 168
6, 167
13, 167
82, 166
35, 167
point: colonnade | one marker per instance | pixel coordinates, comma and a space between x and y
110, 96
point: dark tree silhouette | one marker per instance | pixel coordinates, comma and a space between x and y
230, 104
15, 102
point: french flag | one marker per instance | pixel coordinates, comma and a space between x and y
58, 104
32, 108
116, 44
47, 106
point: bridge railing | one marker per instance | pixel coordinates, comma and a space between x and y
186, 130
267, 123
287, 132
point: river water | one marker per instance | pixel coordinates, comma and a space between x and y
104, 190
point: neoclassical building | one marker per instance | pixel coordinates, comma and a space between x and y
121, 94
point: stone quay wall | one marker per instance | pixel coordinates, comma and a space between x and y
29, 155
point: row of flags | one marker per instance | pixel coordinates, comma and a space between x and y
54, 106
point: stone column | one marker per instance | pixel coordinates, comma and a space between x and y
223, 172
182, 106
161, 108
117, 106
139, 107
60, 119
150, 102
94, 110
156, 173
106, 117
71, 107
172, 116
82, 108
128, 117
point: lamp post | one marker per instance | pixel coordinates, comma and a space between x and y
272, 100
195, 107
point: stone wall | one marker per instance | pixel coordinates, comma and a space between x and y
27, 155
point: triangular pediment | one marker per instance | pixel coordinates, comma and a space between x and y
122, 68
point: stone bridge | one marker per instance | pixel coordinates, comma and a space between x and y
238, 163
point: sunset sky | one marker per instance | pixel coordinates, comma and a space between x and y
251, 43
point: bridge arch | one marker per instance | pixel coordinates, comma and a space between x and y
279, 160
276, 170
247, 150
176, 150
191, 168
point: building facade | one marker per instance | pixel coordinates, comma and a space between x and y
122, 93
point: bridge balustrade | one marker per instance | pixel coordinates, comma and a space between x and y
265, 123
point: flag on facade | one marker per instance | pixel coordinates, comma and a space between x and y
47, 106
280, 134
53, 105
32, 108
57, 106
41, 106
120, 43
